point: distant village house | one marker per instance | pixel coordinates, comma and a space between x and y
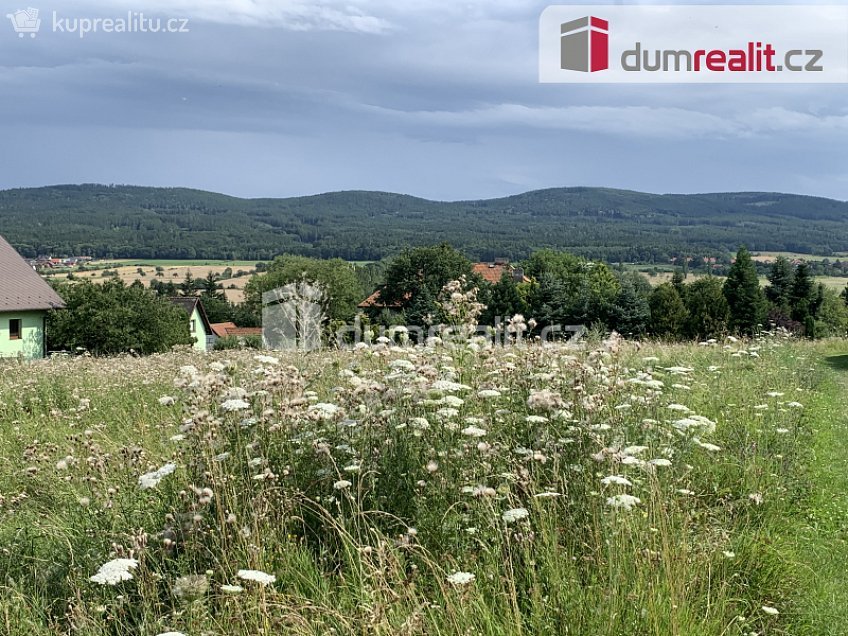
230, 330
201, 329
490, 272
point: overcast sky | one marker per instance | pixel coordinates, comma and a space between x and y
436, 98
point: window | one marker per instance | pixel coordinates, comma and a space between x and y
193, 327
15, 329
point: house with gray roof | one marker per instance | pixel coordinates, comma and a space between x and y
25, 299
198, 323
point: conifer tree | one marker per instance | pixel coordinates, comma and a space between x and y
746, 300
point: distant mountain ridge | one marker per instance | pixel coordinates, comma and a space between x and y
172, 223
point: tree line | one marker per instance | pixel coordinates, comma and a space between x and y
553, 288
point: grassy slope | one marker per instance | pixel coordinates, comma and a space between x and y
823, 530
790, 552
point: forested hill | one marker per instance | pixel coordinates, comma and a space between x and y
172, 223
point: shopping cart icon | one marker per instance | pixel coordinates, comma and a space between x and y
25, 21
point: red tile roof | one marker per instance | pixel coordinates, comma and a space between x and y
375, 302
493, 272
224, 329
245, 331
220, 328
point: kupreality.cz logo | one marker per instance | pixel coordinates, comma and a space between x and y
693, 44
28, 22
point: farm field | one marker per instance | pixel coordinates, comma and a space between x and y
186, 263
610, 489
770, 257
175, 271
834, 282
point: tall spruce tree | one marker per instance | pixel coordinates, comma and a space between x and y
746, 300
630, 313
668, 313
802, 294
709, 313
781, 278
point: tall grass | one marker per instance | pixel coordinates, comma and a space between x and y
614, 489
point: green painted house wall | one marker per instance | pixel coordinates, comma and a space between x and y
198, 331
30, 346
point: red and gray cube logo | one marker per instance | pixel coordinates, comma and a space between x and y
585, 45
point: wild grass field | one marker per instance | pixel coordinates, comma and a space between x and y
613, 489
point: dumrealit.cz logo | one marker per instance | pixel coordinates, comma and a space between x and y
584, 45
28, 22
677, 43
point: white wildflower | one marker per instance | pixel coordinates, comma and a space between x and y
678, 407
710, 447
235, 405
256, 576
616, 480
151, 480
488, 393
659, 461
474, 431
516, 514
461, 578
114, 571
324, 411
447, 386
452, 401
623, 502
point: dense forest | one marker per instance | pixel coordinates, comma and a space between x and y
613, 225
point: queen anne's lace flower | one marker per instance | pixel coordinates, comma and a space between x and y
516, 514
235, 405
623, 502
256, 576
114, 571
461, 578
488, 393
616, 480
151, 480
